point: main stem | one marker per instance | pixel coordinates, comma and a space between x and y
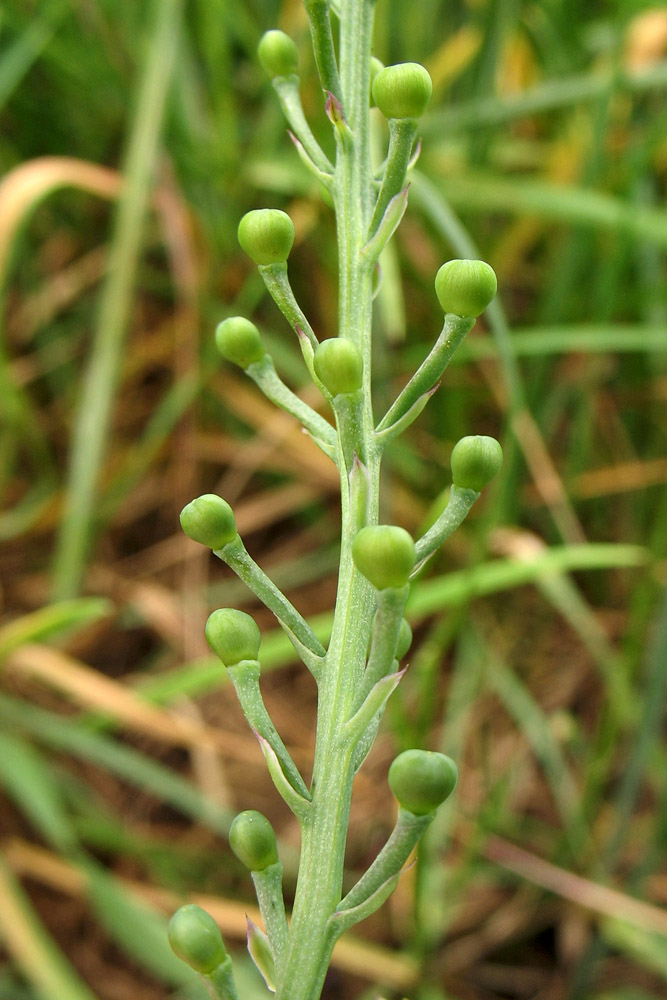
319, 885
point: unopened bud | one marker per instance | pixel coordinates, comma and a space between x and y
210, 520
266, 235
475, 461
239, 341
338, 365
195, 937
253, 840
465, 287
385, 554
233, 636
403, 90
278, 54
421, 780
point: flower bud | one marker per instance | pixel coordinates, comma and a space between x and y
195, 937
465, 287
475, 461
338, 365
253, 841
385, 554
402, 91
278, 54
421, 780
404, 639
233, 636
210, 520
238, 341
266, 235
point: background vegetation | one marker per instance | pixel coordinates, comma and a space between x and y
133, 138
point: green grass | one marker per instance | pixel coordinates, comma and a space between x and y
540, 631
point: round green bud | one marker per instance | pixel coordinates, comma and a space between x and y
195, 937
210, 520
278, 54
385, 554
233, 636
475, 461
338, 365
404, 639
402, 91
465, 287
253, 841
421, 780
238, 341
266, 235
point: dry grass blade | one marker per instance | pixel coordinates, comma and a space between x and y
88, 688
25, 186
599, 898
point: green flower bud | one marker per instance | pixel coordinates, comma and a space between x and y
266, 235
421, 780
195, 937
385, 554
465, 287
338, 365
402, 91
253, 841
475, 461
404, 639
233, 636
278, 54
210, 520
238, 341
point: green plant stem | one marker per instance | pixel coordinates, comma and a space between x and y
263, 374
91, 430
324, 828
287, 89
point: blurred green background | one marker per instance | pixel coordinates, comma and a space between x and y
133, 138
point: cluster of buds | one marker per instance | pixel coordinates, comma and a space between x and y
381, 559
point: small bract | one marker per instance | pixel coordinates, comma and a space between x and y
421, 780
196, 939
210, 520
233, 636
338, 365
239, 341
475, 461
278, 54
465, 287
253, 840
385, 554
403, 90
266, 235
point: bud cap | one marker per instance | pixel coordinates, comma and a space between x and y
266, 235
421, 780
210, 520
402, 91
465, 287
278, 54
195, 937
475, 461
253, 840
238, 341
385, 554
233, 636
338, 365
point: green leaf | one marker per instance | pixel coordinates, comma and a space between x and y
30, 782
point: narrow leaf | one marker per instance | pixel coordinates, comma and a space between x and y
260, 952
